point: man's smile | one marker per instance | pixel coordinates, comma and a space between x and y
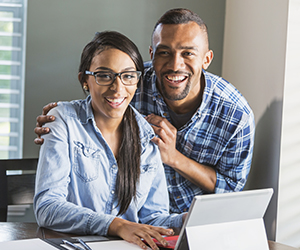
176, 79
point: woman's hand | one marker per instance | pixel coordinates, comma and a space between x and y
134, 233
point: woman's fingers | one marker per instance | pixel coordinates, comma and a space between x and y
139, 233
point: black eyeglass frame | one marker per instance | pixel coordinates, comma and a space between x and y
139, 73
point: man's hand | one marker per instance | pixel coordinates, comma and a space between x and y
199, 174
41, 120
167, 138
135, 232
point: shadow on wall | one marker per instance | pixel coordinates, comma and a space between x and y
266, 160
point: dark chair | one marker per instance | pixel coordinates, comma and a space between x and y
17, 182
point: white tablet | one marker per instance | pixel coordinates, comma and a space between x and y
226, 221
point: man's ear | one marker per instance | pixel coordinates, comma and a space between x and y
209, 55
151, 52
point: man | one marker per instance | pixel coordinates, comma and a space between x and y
204, 126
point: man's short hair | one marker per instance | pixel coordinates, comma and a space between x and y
181, 16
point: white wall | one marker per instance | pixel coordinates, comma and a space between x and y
254, 61
289, 182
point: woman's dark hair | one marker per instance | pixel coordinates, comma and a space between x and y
130, 149
106, 40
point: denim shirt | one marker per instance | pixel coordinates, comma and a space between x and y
77, 172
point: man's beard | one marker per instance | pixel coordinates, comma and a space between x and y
175, 97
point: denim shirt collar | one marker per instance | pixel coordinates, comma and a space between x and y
146, 132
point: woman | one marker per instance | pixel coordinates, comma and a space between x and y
98, 171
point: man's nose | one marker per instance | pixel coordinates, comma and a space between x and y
176, 62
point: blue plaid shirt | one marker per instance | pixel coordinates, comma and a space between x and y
220, 134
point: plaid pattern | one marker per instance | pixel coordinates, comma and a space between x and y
220, 134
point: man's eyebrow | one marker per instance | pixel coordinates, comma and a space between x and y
189, 47
161, 46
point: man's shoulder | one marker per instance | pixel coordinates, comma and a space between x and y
148, 78
218, 86
147, 65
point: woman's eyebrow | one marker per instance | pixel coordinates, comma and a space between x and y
109, 69
129, 68
103, 68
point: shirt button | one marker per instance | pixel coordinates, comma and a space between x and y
174, 177
165, 114
178, 197
159, 96
114, 166
184, 210
112, 191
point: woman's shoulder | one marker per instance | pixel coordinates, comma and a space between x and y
68, 108
144, 126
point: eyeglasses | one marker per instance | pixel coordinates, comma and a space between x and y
105, 78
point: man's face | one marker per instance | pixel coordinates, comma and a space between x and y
179, 52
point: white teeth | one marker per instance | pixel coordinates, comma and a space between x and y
176, 78
115, 100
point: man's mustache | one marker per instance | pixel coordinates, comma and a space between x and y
178, 72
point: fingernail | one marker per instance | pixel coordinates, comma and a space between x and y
171, 232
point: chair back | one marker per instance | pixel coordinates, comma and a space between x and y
17, 183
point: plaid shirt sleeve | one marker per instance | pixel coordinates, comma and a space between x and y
232, 119
233, 167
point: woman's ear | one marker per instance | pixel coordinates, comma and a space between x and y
79, 76
84, 85
209, 55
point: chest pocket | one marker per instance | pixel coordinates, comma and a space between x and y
148, 169
86, 160
148, 173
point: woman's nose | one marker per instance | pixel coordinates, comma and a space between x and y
117, 85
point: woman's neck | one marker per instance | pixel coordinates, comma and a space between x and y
112, 132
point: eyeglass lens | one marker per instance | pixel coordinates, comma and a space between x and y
127, 77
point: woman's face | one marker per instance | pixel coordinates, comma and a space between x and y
110, 102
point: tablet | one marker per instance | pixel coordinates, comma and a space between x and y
226, 221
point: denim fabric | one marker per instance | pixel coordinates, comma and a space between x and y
76, 176
220, 134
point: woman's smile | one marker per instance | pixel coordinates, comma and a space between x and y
115, 102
